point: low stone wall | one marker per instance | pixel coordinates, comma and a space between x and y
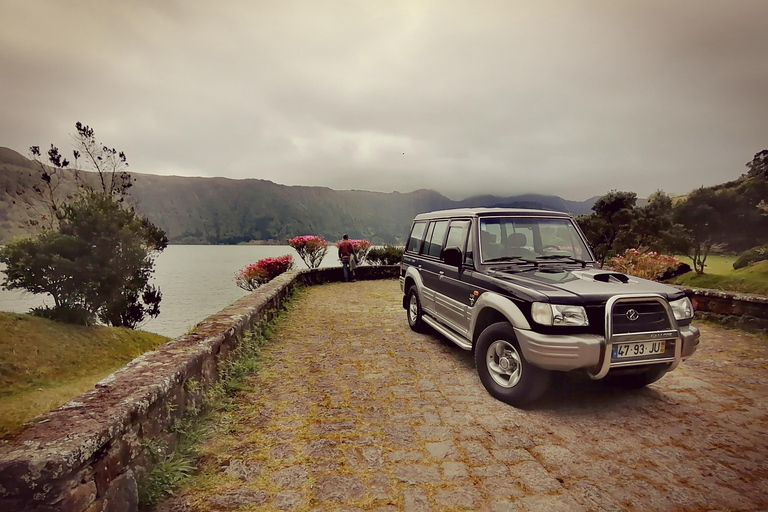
89, 454
739, 310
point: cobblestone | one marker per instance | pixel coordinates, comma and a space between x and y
349, 415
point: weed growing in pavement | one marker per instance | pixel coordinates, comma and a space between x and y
170, 470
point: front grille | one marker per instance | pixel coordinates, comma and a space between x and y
648, 316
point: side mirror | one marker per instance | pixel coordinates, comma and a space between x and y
452, 256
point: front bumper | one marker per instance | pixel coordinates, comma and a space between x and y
592, 352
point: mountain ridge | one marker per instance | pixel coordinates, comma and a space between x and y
221, 210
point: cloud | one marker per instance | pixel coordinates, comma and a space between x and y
569, 98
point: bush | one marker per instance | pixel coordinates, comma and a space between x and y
389, 255
311, 249
648, 265
65, 313
256, 274
751, 256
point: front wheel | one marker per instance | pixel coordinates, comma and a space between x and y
504, 371
415, 313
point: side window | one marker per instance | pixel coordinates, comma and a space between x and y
456, 234
427, 238
417, 235
436, 240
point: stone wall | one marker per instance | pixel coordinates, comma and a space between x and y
89, 454
739, 310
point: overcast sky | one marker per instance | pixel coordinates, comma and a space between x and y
572, 98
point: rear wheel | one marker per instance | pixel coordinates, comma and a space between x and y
638, 378
504, 371
414, 310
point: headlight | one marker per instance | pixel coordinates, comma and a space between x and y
682, 309
557, 314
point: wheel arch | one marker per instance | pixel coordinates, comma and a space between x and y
492, 308
412, 278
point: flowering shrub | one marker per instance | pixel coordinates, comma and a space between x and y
648, 265
311, 249
256, 274
361, 248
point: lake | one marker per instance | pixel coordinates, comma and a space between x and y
196, 281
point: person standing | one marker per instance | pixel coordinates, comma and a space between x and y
346, 253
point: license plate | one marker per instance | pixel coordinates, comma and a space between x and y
645, 348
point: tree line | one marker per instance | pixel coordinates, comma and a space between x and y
731, 217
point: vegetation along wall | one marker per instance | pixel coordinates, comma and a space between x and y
89, 454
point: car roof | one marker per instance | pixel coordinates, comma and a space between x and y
486, 212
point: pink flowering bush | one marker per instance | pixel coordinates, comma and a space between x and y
648, 265
361, 248
256, 274
311, 249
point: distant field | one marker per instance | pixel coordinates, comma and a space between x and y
720, 275
43, 363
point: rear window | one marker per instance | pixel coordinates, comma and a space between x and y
417, 235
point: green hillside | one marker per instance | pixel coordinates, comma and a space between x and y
221, 210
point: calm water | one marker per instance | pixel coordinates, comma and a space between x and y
196, 281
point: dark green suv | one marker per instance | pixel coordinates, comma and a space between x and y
522, 290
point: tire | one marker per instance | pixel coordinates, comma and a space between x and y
637, 379
504, 371
414, 311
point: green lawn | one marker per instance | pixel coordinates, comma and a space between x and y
720, 275
44, 363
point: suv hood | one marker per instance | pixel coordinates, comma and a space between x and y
587, 284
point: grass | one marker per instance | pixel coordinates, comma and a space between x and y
171, 470
720, 275
44, 363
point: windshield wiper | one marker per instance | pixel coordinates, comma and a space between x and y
562, 257
505, 258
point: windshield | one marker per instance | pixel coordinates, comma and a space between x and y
516, 238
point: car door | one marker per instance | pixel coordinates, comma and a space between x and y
430, 263
455, 292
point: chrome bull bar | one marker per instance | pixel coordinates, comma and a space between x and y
671, 334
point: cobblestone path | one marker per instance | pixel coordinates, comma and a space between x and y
356, 412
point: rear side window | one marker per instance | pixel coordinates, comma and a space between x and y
417, 235
435, 245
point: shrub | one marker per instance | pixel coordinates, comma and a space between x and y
648, 265
751, 256
256, 274
311, 249
361, 248
65, 313
389, 255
